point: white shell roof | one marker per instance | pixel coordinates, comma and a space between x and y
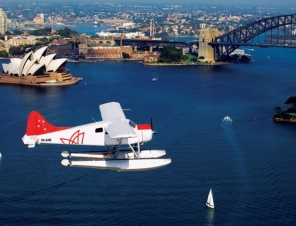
47, 59
55, 64
5, 68
35, 68
32, 62
27, 66
24, 60
16, 61
39, 53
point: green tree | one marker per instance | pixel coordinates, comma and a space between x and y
125, 55
193, 59
161, 35
15, 50
42, 32
42, 41
3, 53
7, 33
171, 54
67, 32
184, 57
14, 32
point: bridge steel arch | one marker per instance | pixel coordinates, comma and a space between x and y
228, 42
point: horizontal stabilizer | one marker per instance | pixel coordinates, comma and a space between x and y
32, 141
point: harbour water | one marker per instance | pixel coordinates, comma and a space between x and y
249, 162
88, 29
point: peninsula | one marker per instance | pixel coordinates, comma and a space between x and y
288, 115
37, 69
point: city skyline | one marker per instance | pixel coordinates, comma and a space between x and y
271, 3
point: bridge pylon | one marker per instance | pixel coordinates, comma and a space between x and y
205, 51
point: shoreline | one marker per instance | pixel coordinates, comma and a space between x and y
283, 120
184, 64
39, 80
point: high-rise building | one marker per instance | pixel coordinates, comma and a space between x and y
41, 18
3, 22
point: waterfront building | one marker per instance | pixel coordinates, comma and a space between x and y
37, 69
2, 48
63, 48
19, 40
151, 58
103, 52
3, 22
4, 45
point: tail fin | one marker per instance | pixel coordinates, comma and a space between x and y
37, 125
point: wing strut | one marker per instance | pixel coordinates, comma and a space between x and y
134, 150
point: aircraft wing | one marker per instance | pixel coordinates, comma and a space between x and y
118, 126
112, 112
120, 130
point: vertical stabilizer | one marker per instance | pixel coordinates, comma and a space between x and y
37, 125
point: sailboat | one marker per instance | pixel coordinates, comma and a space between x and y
210, 200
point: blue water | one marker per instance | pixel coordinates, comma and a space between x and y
89, 29
249, 163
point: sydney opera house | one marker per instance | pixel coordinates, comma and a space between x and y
37, 69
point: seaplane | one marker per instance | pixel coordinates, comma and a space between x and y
121, 137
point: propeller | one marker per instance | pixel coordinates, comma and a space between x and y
153, 132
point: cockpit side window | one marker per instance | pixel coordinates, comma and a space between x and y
132, 124
99, 130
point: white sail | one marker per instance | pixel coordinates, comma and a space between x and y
210, 200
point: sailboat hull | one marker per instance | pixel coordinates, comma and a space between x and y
209, 205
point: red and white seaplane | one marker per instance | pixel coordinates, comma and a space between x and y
113, 132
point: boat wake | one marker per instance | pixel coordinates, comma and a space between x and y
231, 137
227, 119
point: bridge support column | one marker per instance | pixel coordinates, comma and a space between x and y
135, 48
205, 51
150, 49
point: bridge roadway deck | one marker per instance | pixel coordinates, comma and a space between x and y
142, 44
261, 45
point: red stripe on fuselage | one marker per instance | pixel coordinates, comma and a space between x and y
37, 125
143, 126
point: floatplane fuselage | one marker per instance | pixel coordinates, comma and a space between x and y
113, 132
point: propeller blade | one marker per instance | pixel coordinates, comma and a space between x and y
151, 124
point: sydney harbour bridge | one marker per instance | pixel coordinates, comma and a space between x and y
275, 31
